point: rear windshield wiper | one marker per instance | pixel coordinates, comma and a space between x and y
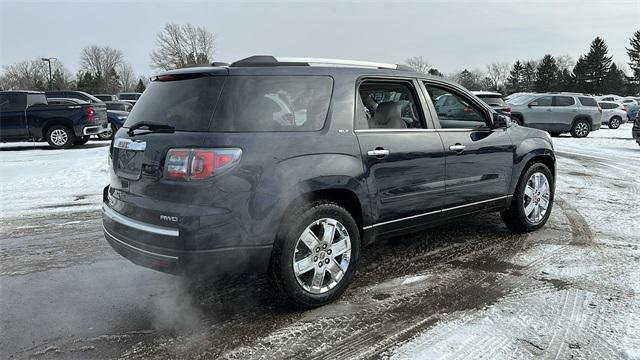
151, 126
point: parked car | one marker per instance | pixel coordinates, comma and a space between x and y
635, 131
558, 113
130, 97
610, 97
632, 107
116, 120
69, 94
494, 99
106, 97
119, 106
26, 115
235, 185
613, 114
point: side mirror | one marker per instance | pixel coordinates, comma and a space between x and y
501, 120
532, 104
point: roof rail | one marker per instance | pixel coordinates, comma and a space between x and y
268, 60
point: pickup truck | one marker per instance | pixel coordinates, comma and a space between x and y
26, 115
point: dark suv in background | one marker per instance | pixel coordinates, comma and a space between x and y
281, 166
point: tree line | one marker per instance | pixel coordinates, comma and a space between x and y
103, 69
593, 73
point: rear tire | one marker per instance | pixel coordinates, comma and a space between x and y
517, 120
615, 122
580, 128
324, 264
60, 137
527, 211
108, 135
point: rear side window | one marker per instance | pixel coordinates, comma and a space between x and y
184, 103
273, 103
587, 101
12, 102
564, 101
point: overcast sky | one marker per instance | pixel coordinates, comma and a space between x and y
450, 35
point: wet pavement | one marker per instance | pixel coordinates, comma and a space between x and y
470, 289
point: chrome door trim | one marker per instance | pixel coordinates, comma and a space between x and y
435, 212
139, 225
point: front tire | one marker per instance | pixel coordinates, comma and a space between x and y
615, 122
580, 129
532, 201
60, 137
316, 254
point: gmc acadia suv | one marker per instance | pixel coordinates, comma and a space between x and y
557, 113
279, 165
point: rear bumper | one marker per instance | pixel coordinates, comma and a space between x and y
221, 261
95, 129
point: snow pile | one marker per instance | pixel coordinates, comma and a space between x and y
35, 180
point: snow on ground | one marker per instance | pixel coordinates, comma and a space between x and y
35, 180
593, 311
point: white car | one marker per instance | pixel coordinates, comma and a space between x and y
614, 114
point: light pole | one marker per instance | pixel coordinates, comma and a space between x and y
50, 76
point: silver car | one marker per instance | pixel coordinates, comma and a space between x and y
557, 113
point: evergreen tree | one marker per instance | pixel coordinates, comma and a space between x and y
140, 87
614, 81
547, 75
598, 64
529, 76
514, 82
581, 75
467, 79
633, 84
566, 81
87, 82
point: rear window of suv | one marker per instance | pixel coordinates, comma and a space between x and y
236, 103
493, 100
587, 101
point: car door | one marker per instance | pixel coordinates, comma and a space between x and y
12, 116
479, 158
564, 111
403, 159
540, 113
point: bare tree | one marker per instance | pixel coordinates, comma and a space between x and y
34, 75
418, 64
103, 63
565, 62
126, 77
498, 73
182, 45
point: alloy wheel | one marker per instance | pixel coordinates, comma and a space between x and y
59, 137
322, 256
582, 129
537, 194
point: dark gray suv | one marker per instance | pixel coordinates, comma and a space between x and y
291, 166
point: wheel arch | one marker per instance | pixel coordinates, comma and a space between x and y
530, 151
587, 118
56, 121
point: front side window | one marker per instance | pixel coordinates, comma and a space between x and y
543, 101
388, 105
455, 111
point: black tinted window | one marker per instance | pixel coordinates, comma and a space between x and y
273, 103
544, 101
587, 101
128, 96
12, 102
186, 103
564, 101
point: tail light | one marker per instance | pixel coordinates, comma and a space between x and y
624, 108
199, 164
466, 109
91, 114
508, 109
599, 109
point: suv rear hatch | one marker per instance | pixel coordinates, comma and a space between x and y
175, 160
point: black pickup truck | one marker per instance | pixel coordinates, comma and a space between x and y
26, 115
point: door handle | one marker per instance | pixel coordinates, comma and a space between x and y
457, 147
379, 152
